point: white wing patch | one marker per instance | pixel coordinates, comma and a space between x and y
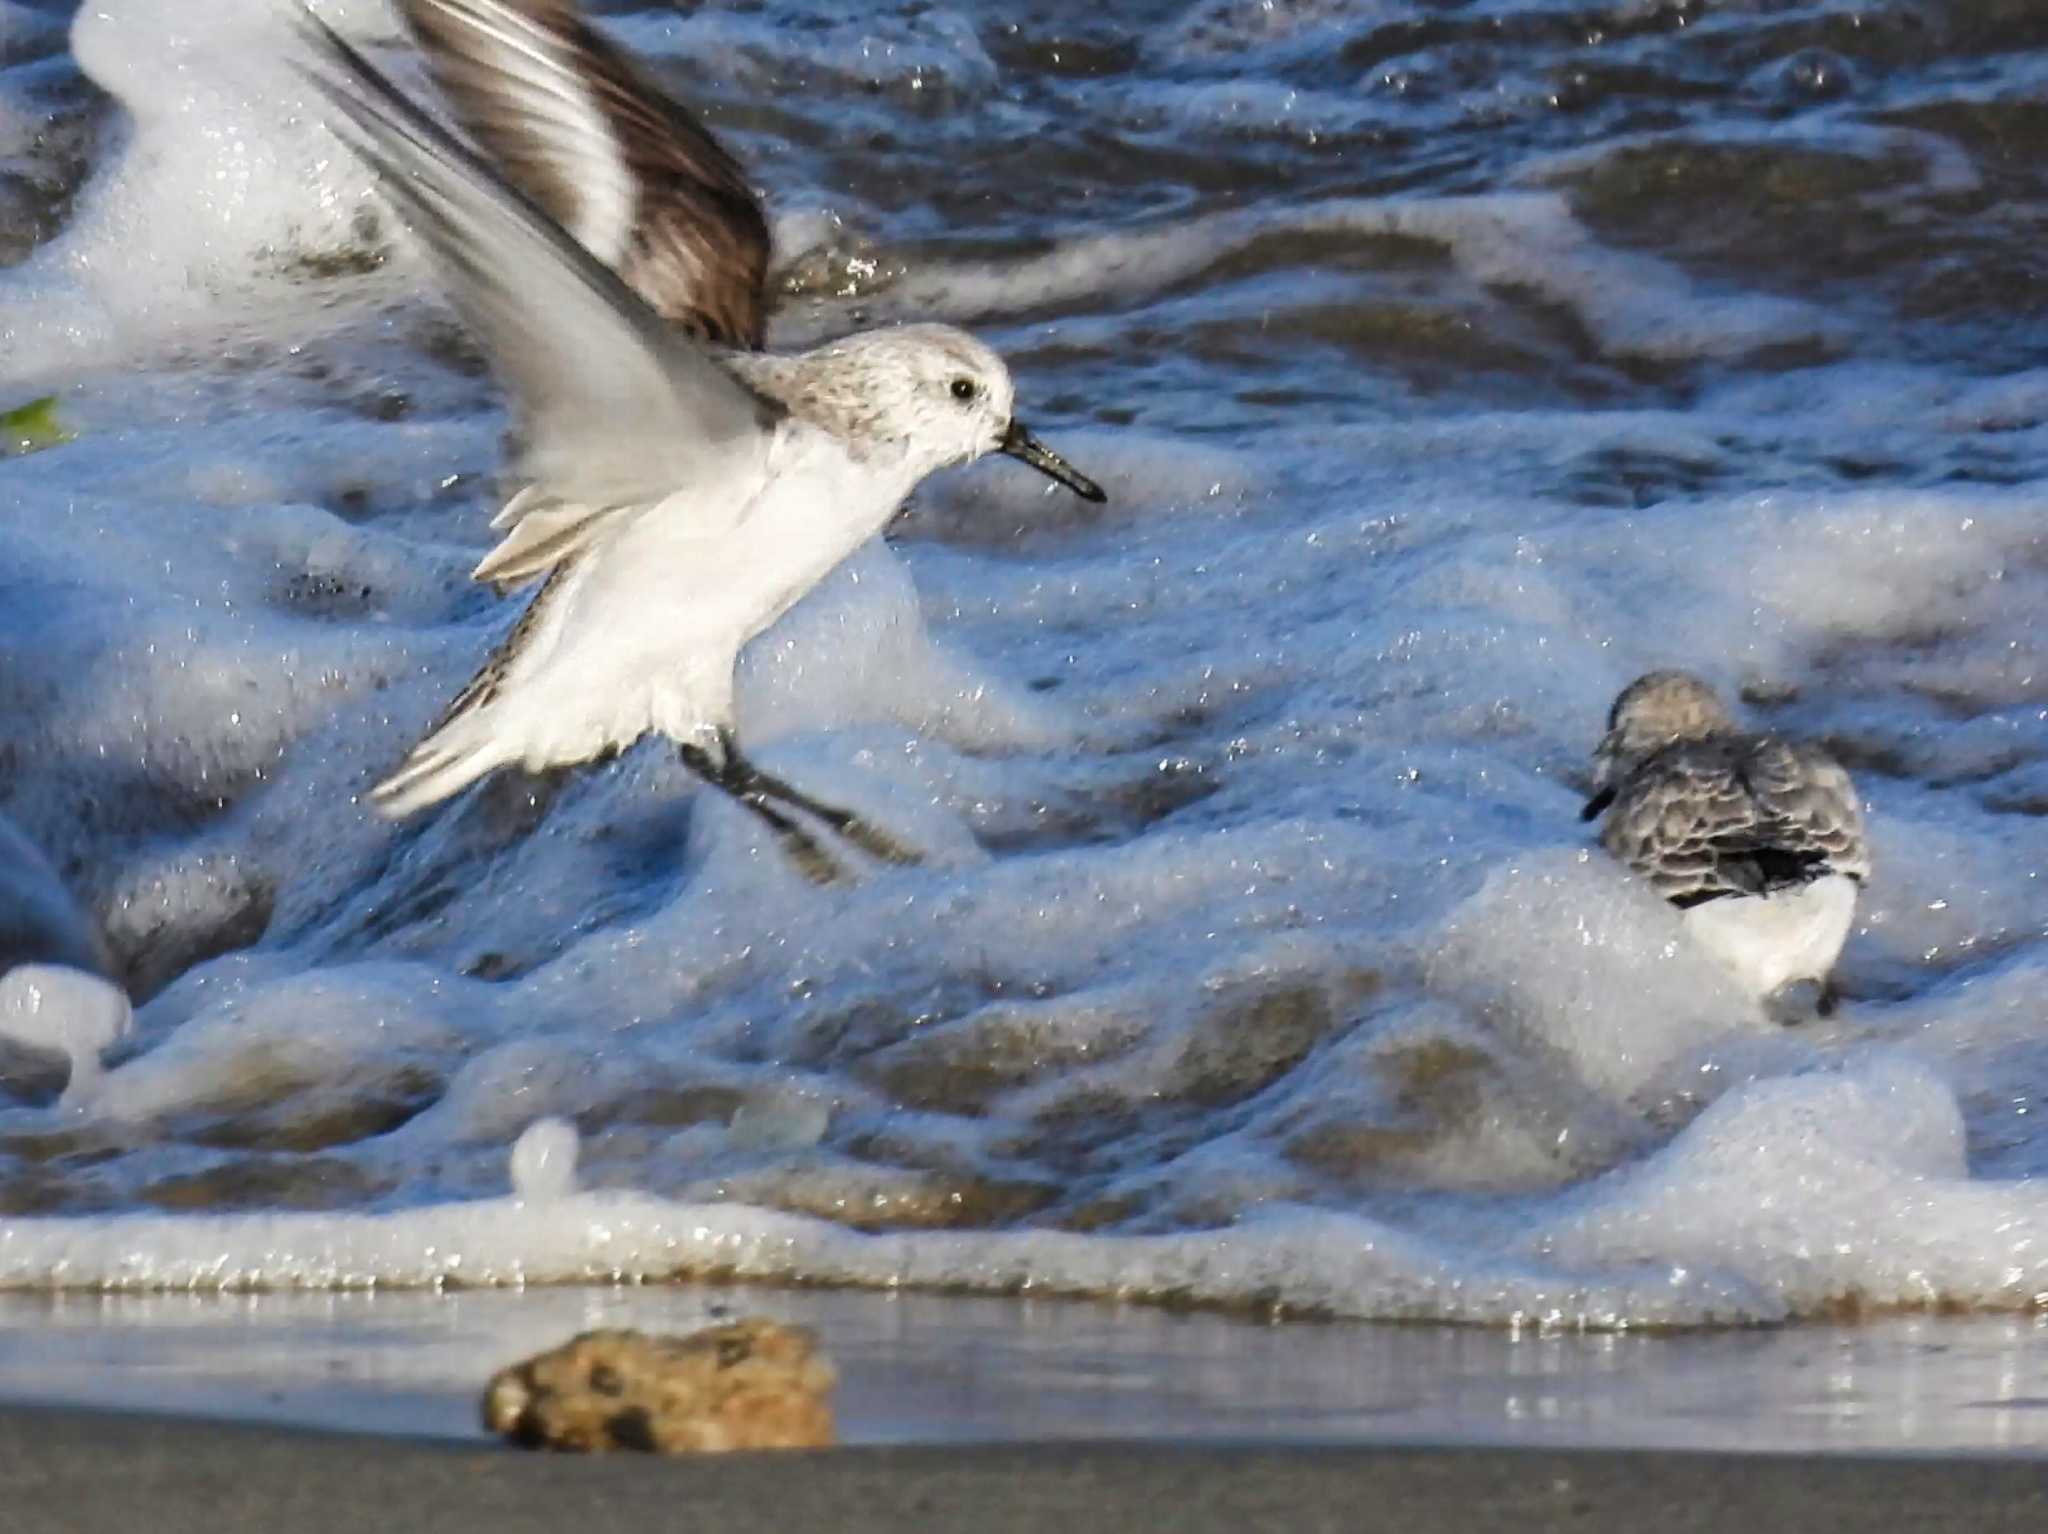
542, 535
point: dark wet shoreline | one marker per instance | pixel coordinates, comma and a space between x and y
182, 1474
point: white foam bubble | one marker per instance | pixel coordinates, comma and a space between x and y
1567, 950
260, 1037
1840, 1189
219, 170
1336, 1264
858, 652
66, 1011
544, 1161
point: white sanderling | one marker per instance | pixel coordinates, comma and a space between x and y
1758, 840
678, 496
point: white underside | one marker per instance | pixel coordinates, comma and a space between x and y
645, 633
1771, 940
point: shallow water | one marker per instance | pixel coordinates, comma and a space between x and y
1447, 366
938, 1369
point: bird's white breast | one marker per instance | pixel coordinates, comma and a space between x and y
1770, 940
652, 629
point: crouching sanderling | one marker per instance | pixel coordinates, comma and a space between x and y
1757, 840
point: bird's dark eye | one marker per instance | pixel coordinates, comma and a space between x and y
963, 389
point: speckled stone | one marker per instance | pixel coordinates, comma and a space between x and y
750, 1384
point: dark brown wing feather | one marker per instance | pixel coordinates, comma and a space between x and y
577, 126
1737, 815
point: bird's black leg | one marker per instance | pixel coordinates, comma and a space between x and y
744, 778
815, 863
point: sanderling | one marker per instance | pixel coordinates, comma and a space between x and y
679, 495
1759, 841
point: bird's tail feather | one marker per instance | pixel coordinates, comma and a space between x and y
440, 766
466, 741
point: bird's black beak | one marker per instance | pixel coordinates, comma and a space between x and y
1025, 448
1597, 804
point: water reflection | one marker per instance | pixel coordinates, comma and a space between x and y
921, 1368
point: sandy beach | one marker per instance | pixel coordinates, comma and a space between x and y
178, 1474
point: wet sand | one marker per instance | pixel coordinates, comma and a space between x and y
86, 1473
309, 1413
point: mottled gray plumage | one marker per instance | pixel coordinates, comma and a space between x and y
1702, 809
579, 128
862, 388
1736, 815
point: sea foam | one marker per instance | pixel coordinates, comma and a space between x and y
1258, 958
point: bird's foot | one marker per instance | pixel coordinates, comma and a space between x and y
774, 801
742, 777
877, 843
812, 860
801, 848
1799, 1001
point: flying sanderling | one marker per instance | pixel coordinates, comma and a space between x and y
677, 497
1759, 841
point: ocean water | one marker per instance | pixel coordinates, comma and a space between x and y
1447, 366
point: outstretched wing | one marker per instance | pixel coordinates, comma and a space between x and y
1737, 816
576, 126
615, 409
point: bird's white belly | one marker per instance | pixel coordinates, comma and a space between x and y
650, 635
1770, 940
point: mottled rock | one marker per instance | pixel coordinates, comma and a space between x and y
751, 1384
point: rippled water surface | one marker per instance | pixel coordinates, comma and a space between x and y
1447, 365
